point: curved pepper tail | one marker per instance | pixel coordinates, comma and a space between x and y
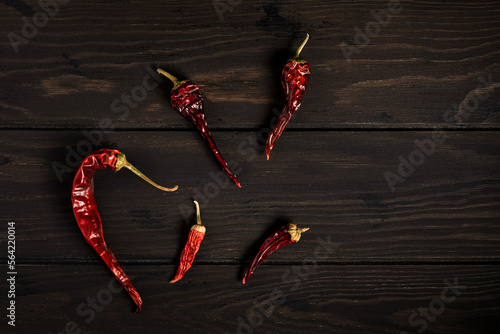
226, 168
208, 137
109, 258
236, 181
247, 276
269, 144
277, 131
176, 278
137, 299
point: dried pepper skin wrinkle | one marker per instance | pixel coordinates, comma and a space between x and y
285, 235
186, 98
294, 79
87, 215
196, 235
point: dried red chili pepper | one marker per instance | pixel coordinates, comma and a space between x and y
87, 215
196, 235
283, 236
294, 79
186, 98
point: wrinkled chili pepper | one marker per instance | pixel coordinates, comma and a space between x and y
186, 98
285, 235
87, 215
294, 79
196, 235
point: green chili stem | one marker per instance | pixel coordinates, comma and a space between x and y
297, 54
122, 162
198, 216
175, 81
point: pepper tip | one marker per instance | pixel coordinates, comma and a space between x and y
269, 147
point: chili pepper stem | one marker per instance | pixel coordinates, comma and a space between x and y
174, 80
296, 233
299, 50
122, 162
198, 216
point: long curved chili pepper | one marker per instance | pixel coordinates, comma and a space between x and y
294, 79
196, 235
87, 215
285, 235
186, 98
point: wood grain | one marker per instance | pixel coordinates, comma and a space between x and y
332, 182
211, 299
426, 61
382, 254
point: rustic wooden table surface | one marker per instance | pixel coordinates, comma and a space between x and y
392, 161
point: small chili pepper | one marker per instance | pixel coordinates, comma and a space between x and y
285, 235
87, 215
186, 98
294, 79
196, 235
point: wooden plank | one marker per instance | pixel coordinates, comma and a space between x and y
416, 69
332, 182
211, 299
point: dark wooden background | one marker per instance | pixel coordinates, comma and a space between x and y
393, 249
